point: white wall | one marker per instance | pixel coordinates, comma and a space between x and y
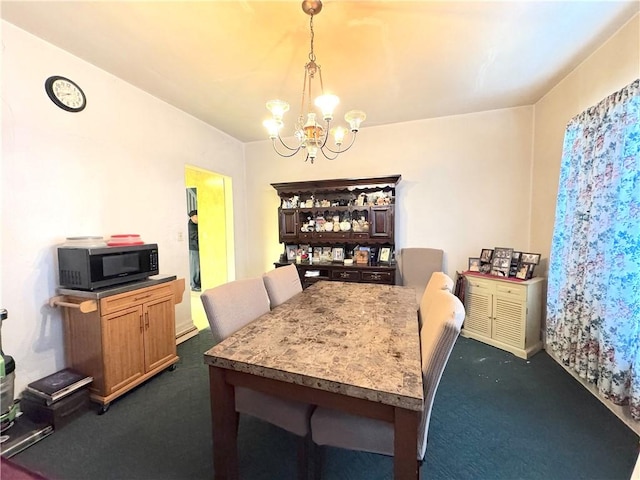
116, 167
615, 64
465, 183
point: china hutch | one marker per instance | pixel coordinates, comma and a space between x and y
339, 229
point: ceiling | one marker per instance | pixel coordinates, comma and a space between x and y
220, 61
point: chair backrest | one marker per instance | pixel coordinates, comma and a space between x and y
437, 338
438, 281
232, 305
282, 283
415, 266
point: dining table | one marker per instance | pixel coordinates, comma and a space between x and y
353, 347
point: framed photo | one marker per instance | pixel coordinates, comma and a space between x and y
474, 264
530, 258
384, 255
337, 254
485, 255
361, 257
502, 253
326, 254
291, 250
524, 271
501, 261
515, 263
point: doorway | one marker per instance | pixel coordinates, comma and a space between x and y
210, 194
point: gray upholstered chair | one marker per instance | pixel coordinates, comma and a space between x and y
415, 266
343, 430
438, 281
282, 283
230, 307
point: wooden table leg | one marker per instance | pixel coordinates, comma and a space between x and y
224, 426
405, 448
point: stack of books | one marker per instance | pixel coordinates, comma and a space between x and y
58, 385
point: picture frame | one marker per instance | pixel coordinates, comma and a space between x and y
533, 258
485, 255
525, 271
337, 254
326, 254
502, 253
291, 251
515, 263
361, 257
474, 264
501, 261
384, 255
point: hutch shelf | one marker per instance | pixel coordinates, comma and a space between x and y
318, 217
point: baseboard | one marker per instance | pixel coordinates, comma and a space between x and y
620, 411
186, 335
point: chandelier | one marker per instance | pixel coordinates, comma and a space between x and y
309, 134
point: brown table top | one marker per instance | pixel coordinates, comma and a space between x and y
356, 339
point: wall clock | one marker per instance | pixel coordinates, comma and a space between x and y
65, 93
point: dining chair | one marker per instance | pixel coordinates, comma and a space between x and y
282, 283
230, 307
438, 336
415, 266
438, 281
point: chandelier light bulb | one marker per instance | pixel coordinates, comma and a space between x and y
273, 127
327, 104
338, 135
277, 108
355, 118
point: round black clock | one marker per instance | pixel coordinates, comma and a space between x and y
65, 93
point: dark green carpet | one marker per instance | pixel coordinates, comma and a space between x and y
495, 417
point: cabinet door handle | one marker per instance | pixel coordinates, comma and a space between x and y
146, 319
141, 324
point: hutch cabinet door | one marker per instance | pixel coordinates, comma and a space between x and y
123, 348
382, 222
288, 226
159, 332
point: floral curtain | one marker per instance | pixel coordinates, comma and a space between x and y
593, 299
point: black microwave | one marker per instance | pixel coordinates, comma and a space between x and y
91, 268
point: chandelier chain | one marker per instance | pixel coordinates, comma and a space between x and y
312, 56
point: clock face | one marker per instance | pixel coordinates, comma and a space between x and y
65, 94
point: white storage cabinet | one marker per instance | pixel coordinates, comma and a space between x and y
504, 313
